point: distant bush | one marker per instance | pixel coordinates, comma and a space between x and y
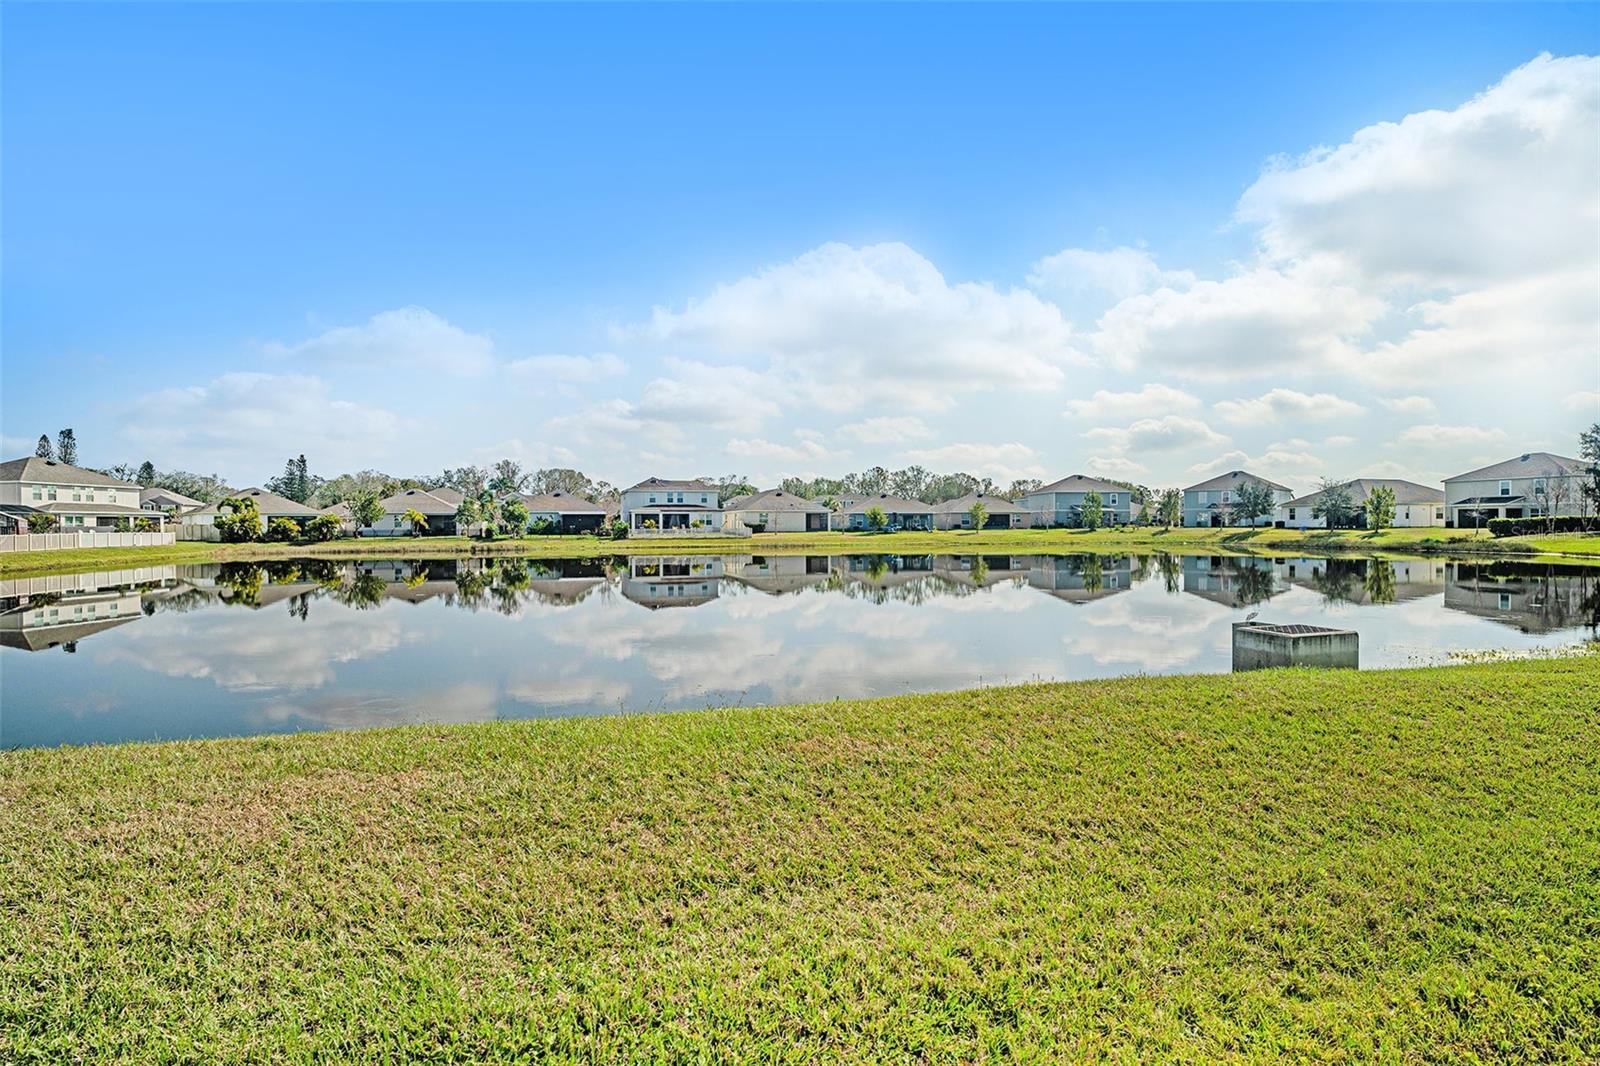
282, 531
1527, 527
618, 529
238, 520
323, 527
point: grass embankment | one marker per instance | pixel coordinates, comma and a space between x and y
1384, 866
1390, 542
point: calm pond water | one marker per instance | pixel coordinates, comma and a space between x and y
230, 649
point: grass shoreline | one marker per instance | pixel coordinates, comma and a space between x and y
1393, 543
1394, 865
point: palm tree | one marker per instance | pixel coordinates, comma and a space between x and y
418, 521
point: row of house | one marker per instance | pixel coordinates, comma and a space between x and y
1530, 485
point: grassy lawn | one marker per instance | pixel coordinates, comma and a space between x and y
1374, 866
1015, 542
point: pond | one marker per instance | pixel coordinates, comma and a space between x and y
246, 648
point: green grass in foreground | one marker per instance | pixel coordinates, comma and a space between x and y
1383, 866
1409, 542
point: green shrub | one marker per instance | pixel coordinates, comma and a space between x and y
1527, 527
238, 520
283, 530
324, 527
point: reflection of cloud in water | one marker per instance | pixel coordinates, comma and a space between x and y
243, 651
347, 709
569, 691
1154, 633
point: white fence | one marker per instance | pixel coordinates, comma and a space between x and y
199, 531
44, 542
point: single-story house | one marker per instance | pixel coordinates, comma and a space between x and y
1060, 503
774, 511
957, 513
438, 505
168, 501
565, 512
1531, 485
1414, 504
80, 499
900, 513
341, 511
269, 504
1212, 502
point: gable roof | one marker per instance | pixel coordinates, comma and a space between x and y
1361, 490
963, 504
1529, 464
425, 501
888, 504
1080, 483
561, 503
53, 472
178, 499
270, 504
650, 483
774, 500
1233, 479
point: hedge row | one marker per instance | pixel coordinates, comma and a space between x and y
1523, 527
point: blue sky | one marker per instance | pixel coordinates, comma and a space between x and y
773, 240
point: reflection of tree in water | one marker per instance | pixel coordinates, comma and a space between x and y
1340, 580
980, 570
1379, 581
362, 591
1139, 568
1171, 572
1092, 570
189, 598
243, 582
472, 587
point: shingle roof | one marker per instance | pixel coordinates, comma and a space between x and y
663, 483
1080, 483
993, 504
424, 501
1530, 464
270, 504
889, 505
178, 499
1233, 478
561, 503
1362, 487
774, 500
51, 472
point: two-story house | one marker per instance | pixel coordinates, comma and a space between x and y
78, 500
1060, 503
1532, 485
1414, 504
1215, 501
659, 506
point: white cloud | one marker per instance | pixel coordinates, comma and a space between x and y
568, 369
843, 328
808, 450
731, 397
1119, 273
1339, 441
1437, 436
1279, 404
1115, 466
1584, 400
1153, 399
245, 421
1002, 462
1159, 435
408, 336
1297, 469
1409, 405
887, 429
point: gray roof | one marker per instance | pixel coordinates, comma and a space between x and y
1361, 489
774, 500
1233, 479
1080, 483
888, 504
561, 503
270, 504
425, 501
1529, 464
178, 499
448, 494
732, 502
51, 472
993, 504
664, 483
338, 510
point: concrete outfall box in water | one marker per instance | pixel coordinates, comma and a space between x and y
1262, 645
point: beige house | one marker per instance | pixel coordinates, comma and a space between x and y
269, 504
438, 505
957, 513
900, 513
1414, 504
774, 511
1531, 485
80, 500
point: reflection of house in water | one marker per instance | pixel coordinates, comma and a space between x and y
1531, 597
564, 582
903, 576
672, 581
1365, 581
417, 580
983, 571
60, 610
1234, 581
1081, 578
780, 574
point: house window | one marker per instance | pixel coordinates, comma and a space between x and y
652, 498
52, 491
1111, 499
1291, 514
1505, 601
1224, 495
1438, 512
1505, 488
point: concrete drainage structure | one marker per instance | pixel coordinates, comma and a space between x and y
1262, 645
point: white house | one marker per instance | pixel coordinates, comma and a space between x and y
269, 504
774, 511
659, 506
1531, 485
438, 505
80, 500
1213, 502
957, 513
1414, 504
1060, 503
